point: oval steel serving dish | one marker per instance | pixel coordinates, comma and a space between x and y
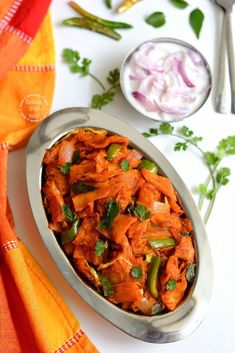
168, 327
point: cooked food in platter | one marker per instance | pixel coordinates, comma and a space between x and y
120, 223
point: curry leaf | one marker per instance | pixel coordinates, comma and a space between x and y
156, 19
181, 4
196, 19
108, 3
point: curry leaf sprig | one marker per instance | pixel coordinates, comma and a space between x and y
81, 66
218, 176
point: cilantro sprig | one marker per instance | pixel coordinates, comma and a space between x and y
68, 213
82, 67
218, 176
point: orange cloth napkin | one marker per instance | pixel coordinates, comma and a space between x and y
33, 316
26, 85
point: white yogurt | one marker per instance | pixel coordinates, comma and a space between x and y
166, 81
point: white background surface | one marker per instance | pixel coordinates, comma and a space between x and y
216, 333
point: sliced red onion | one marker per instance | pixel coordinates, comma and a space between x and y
195, 57
182, 72
148, 105
168, 82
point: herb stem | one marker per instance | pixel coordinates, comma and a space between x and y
113, 87
97, 80
210, 178
211, 205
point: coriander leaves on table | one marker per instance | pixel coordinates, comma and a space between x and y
81, 66
218, 176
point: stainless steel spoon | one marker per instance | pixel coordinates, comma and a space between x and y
226, 44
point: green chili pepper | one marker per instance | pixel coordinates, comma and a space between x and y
113, 151
92, 26
88, 15
161, 242
70, 234
145, 164
153, 275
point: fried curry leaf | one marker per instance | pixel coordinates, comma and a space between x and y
79, 187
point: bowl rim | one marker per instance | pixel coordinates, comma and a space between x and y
169, 327
164, 40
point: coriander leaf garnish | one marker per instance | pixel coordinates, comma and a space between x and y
196, 19
156, 19
136, 272
113, 77
107, 286
171, 284
100, 247
125, 165
166, 128
68, 213
82, 67
100, 100
111, 211
222, 176
181, 146
181, 4
65, 169
77, 65
141, 212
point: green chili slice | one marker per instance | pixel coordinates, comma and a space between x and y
70, 234
90, 16
161, 242
92, 26
153, 276
113, 150
146, 164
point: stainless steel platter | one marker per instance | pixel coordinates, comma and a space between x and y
164, 328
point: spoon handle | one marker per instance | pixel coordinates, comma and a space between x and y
231, 58
220, 97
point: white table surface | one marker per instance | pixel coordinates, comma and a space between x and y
216, 333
